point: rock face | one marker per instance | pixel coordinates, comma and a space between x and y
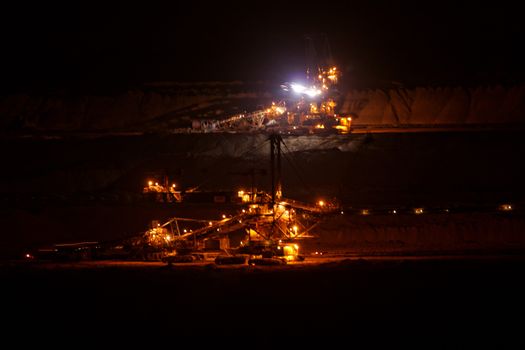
135, 109
161, 107
436, 106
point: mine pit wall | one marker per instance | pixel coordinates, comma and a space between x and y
134, 109
387, 169
435, 106
421, 234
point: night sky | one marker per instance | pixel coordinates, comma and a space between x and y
95, 43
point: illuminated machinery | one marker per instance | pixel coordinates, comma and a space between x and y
269, 235
313, 103
270, 227
344, 124
248, 121
274, 112
253, 120
326, 79
162, 193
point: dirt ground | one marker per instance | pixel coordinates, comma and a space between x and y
471, 298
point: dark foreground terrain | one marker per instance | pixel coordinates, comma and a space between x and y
461, 301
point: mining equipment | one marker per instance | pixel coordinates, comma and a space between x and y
268, 227
272, 226
159, 187
302, 106
309, 105
312, 103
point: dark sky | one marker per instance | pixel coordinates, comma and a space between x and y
90, 42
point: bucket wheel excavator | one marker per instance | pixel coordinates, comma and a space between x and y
272, 228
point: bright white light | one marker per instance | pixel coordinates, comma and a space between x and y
300, 89
312, 92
